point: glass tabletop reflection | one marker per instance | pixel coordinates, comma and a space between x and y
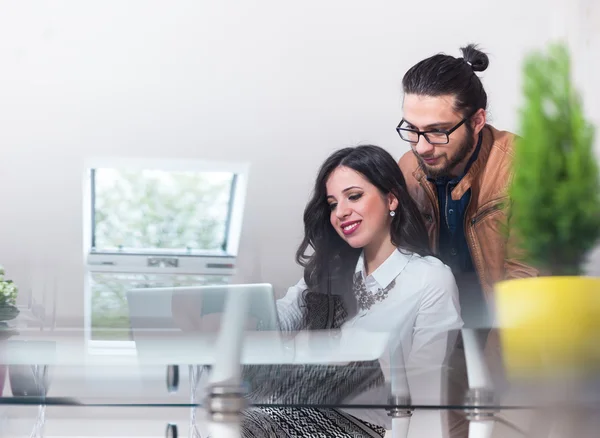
63, 368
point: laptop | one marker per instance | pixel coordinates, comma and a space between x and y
152, 308
160, 337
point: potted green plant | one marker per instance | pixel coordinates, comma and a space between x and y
551, 322
8, 312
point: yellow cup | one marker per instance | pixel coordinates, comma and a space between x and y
549, 325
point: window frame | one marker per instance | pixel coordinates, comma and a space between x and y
220, 262
190, 262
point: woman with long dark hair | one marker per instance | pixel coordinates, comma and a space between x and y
331, 265
367, 265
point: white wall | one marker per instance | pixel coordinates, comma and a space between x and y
280, 84
586, 41
584, 31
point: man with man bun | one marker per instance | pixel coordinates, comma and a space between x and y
458, 171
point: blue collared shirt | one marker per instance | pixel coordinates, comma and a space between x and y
453, 248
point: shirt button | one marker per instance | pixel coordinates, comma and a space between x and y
453, 251
451, 211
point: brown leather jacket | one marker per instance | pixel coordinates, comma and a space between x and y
492, 249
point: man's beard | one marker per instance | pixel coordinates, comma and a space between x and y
465, 148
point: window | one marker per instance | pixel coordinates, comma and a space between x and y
156, 211
157, 224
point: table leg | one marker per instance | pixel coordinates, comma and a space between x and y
400, 416
40, 374
195, 374
225, 400
480, 397
481, 429
480, 413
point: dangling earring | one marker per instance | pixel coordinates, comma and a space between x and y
392, 213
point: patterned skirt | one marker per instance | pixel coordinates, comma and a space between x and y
305, 423
308, 385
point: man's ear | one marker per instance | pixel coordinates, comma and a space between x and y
478, 121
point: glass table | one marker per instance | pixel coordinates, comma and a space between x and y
58, 386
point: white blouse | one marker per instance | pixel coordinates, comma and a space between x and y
415, 299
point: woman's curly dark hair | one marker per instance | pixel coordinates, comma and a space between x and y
329, 269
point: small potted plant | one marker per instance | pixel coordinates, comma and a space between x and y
550, 323
8, 312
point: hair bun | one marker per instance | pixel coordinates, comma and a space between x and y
478, 60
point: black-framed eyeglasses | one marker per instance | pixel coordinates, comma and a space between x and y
434, 136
